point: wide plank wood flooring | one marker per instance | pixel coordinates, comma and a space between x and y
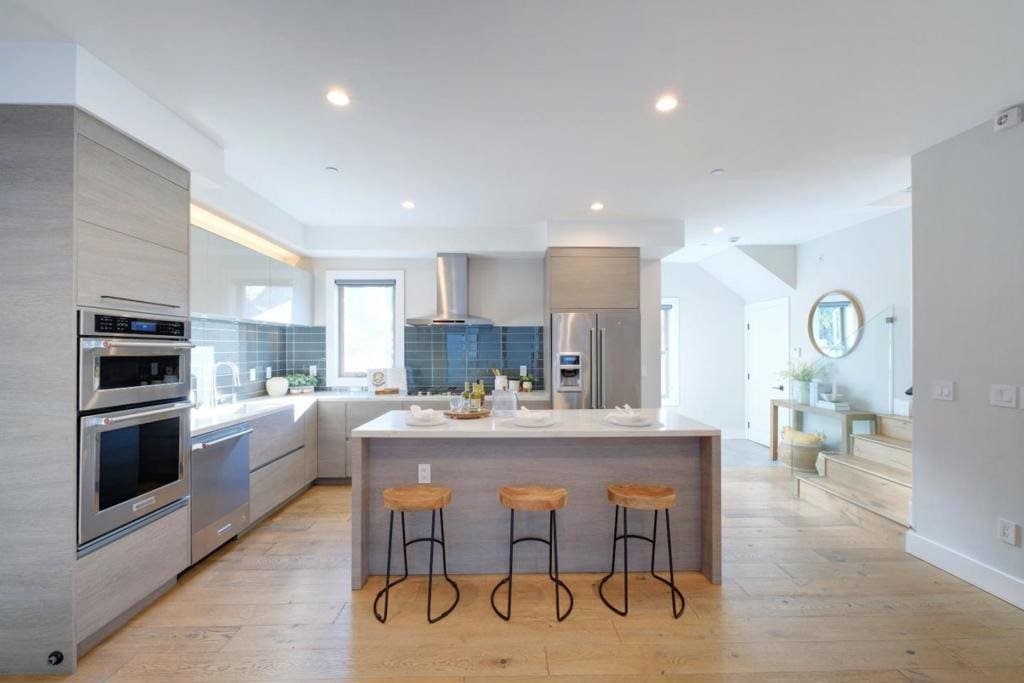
807, 597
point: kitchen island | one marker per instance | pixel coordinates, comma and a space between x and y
581, 452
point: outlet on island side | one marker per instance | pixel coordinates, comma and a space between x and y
424, 474
1008, 531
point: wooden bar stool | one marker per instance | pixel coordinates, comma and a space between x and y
417, 498
534, 498
641, 497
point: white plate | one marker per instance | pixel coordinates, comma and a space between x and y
437, 421
641, 421
549, 422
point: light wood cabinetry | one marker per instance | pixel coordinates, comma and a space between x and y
310, 420
332, 438
123, 272
275, 434
275, 483
113, 139
117, 193
596, 278
115, 578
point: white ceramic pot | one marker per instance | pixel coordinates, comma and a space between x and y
277, 386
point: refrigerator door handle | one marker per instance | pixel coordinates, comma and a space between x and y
604, 370
593, 369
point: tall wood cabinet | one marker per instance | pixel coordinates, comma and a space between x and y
592, 278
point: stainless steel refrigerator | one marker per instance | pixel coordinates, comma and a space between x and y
595, 359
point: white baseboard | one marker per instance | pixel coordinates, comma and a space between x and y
734, 433
988, 579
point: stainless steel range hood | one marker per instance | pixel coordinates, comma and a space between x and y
452, 294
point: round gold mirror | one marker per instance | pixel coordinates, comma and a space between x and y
834, 324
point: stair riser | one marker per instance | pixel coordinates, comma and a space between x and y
887, 455
859, 515
888, 495
895, 427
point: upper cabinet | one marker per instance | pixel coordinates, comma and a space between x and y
593, 278
233, 281
131, 223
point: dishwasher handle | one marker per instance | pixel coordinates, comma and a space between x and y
207, 444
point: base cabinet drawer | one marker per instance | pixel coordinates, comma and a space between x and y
274, 435
272, 484
114, 578
122, 272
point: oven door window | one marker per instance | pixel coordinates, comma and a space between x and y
138, 459
123, 372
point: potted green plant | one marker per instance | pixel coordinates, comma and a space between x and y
800, 376
527, 382
301, 383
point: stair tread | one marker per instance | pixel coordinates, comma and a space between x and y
902, 444
898, 475
855, 496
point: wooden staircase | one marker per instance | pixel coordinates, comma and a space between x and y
873, 484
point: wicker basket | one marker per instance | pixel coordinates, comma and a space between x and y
803, 456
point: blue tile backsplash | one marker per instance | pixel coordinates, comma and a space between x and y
435, 357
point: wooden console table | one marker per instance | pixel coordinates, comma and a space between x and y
846, 419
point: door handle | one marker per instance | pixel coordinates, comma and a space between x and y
229, 437
173, 408
127, 344
593, 369
604, 370
779, 388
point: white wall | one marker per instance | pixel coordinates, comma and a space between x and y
510, 291
872, 261
711, 346
650, 333
968, 280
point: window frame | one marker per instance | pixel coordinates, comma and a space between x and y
332, 311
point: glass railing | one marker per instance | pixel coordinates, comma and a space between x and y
843, 393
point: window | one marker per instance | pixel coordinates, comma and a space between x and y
365, 324
670, 352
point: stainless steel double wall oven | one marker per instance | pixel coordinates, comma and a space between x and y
134, 414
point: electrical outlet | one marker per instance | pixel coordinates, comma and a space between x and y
943, 390
312, 370
252, 374
1003, 395
270, 372
1008, 532
424, 474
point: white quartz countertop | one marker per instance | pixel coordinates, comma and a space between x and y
568, 424
207, 420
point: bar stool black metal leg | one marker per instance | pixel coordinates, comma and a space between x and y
625, 565
677, 595
444, 568
430, 570
389, 584
559, 584
508, 579
672, 575
552, 543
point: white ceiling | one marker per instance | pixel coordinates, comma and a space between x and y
505, 114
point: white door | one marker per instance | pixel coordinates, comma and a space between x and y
767, 356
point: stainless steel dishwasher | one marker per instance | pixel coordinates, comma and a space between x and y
220, 488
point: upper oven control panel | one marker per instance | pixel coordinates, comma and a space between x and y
110, 324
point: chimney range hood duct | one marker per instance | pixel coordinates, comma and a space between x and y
452, 294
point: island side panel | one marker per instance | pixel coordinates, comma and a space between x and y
360, 557
711, 507
477, 525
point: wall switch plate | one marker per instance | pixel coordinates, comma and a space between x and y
1009, 532
270, 372
943, 390
252, 374
312, 370
424, 474
1003, 395
1008, 118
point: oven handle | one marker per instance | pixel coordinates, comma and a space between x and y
229, 437
175, 408
128, 344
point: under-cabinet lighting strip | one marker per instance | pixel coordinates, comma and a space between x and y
228, 229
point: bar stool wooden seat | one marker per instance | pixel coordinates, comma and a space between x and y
534, 498
416, 498
641, 497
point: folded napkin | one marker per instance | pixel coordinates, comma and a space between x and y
626, 411
422, 414
524, 414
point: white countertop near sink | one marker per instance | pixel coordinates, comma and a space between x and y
207, 420
568, 424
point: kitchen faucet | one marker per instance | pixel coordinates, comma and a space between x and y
215, 397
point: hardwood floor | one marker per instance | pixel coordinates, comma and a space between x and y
806, 597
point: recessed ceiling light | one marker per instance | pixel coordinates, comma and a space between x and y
331, 169
666, 103
718, 229
717, 171
338, 97
408, 205
597, 206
